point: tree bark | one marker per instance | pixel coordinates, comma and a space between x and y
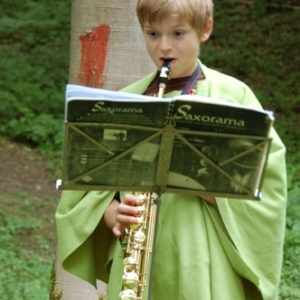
107, 51
107, 47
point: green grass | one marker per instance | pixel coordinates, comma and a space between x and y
27, 247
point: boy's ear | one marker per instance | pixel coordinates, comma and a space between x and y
207, 31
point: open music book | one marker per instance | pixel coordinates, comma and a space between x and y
186, 144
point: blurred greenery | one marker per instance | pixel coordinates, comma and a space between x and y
258, 44
29, 276
26, 253
34, 64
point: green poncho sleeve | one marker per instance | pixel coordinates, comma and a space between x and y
79, 230
257, 228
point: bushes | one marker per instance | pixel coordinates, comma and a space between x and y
21, 267
290, 276
34, 59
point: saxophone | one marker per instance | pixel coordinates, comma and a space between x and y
138, 242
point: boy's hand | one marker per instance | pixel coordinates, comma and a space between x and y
119, 216
125, 214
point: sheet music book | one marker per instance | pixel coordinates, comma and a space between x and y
187, 144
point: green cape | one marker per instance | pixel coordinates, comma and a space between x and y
232, 252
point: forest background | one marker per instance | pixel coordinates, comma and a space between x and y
255, 41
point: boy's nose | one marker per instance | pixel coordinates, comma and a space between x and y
165, 43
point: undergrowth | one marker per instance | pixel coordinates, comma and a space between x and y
24, 271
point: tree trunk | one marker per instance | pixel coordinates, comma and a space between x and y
107, 50
107, 47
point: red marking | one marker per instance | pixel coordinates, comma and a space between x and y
93, 56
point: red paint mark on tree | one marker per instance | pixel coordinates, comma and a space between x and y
93, 56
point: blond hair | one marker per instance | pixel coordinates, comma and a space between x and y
196, 12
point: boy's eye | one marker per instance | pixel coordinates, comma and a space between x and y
178, 33
152, 34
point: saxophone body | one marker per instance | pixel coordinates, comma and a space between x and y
139, 241
138, 249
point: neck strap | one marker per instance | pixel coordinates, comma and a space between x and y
192, 80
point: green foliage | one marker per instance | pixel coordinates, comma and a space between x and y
23, 271
42, 129
259, 6
290, 276
34, 59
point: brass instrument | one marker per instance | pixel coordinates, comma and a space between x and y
138, 242
138, 249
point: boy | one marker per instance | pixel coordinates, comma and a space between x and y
206, 249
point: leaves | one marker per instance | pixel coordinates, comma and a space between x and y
34, 57
20, 267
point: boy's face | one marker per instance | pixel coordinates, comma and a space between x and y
173, 39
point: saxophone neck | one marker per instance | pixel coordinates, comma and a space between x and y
164, 77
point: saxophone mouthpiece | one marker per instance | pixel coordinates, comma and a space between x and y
165, 70
164, 77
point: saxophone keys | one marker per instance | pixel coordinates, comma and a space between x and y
142, 198
141, 210
136, 226
130, 263
127, 295
130, 279
139, 237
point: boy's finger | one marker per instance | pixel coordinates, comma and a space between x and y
125, 219
132, 200
126, 209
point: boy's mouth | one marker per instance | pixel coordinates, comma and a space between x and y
162, 59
